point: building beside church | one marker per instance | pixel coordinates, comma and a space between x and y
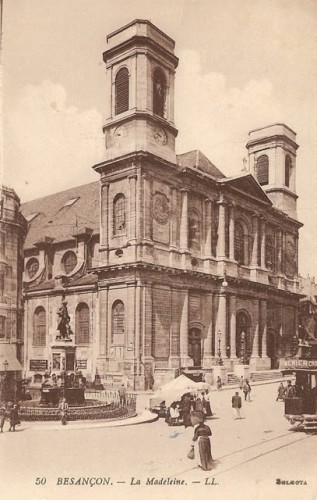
13, 229
164, 262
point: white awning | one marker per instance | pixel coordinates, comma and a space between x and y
8, 358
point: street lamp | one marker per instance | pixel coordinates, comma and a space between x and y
242, 349
295, 344
220, 362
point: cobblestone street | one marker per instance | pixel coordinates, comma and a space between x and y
148, 454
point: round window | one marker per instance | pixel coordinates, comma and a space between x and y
69, 262
32, 267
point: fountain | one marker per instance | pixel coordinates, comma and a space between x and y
66, 381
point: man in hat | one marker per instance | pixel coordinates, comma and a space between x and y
236, 405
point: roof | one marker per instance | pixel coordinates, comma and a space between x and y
61, 215
197, 160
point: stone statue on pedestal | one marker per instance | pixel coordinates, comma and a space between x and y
63, 323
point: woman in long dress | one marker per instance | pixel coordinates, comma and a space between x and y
202, 447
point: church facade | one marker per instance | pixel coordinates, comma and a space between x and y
165, 263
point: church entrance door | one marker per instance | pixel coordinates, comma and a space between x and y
194, 346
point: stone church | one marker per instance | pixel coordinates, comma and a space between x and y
164, 262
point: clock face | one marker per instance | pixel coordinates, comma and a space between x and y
160, 207
160, 136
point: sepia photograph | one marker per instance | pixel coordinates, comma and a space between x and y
158, 300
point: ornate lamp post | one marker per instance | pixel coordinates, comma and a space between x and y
220, 361
295, 344
242, 351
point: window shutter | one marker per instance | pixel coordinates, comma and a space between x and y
122, 91
262, 170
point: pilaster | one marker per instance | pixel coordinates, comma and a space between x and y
232, 313
221, 243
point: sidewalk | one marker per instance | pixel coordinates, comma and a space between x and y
142, 417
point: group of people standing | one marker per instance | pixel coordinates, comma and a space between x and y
10, 412
190, 408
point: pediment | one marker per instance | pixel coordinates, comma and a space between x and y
248, 186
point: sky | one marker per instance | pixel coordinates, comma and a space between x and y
243, 64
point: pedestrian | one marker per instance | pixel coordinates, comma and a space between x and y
219, 383
122, 395
241, 383
201, 446
173, 414
186, 406
290, 391
63, 408
236, 405
246, 390
206, 402
14, 417
280, 392
3, 416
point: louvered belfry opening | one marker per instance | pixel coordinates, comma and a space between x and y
122, 91
288, 167
159, 93
262, 170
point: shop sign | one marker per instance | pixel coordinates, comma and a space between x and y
301, 363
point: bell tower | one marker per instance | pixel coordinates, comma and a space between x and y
272, 160
141, 65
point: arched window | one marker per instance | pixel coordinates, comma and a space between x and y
239, 243
269, 253
159, 93
69, 262
2, 327
82, 324
119, 215
262, 170
118, 320
288, 169
194, 229
122, 91
39, 327
32, 267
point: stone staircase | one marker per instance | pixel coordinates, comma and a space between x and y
256, 376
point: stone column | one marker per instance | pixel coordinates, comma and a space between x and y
184, 330
173, 223
208, 307
137, 339
221, 324
147, 322
132, 209
263, 239
279, 251
147, 216
184, 221
130, 321
104, 215
231, 232
105, 331
233, 312
263, 309
254, 257
208, 227
256, 332
221, 243
175, 329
